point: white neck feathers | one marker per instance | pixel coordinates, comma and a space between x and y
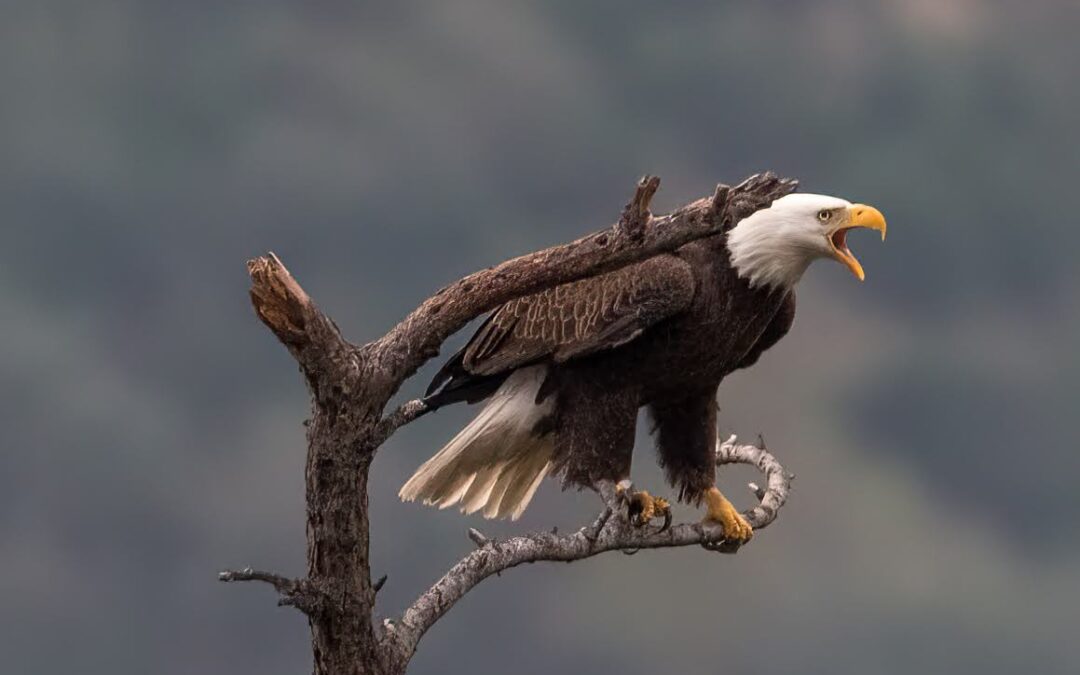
774, 246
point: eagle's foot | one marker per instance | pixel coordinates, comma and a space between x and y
720, 510
642, 508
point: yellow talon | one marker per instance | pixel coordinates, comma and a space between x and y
643, 508
721, 511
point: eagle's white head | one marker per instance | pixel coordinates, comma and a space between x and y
774, 246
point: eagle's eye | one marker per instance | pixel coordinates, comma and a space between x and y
823, 215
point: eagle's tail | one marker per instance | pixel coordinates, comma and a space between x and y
497, 462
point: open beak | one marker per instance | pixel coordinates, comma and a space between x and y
859, 215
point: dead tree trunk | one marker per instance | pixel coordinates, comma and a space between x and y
350, 386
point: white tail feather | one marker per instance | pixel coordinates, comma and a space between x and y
495, 463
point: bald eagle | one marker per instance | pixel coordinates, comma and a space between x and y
565, 371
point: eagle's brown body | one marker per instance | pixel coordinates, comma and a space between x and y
662, 333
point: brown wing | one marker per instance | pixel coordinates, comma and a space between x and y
581, 317
777, 328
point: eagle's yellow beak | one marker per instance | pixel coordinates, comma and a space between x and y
858, 215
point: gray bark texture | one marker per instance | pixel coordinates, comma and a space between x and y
350, 388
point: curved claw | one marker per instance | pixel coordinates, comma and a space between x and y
666, 511
727, 546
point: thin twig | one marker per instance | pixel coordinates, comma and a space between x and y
280, 583
405, 413
478, 538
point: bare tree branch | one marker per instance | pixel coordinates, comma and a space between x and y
418, 337
406, 413
478, 537
281, 584
299, 593
351, 385
610, 534
773, 496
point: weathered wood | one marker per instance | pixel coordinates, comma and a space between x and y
350, 386
338, 594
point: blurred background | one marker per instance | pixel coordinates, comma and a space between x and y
150, 427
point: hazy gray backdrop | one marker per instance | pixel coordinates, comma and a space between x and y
150, 427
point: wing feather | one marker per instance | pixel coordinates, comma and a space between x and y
580, 318
778, 327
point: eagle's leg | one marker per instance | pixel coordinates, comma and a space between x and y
594, 443
686, 439
720, 510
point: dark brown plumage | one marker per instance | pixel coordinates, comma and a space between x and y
661, 334
565, 371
